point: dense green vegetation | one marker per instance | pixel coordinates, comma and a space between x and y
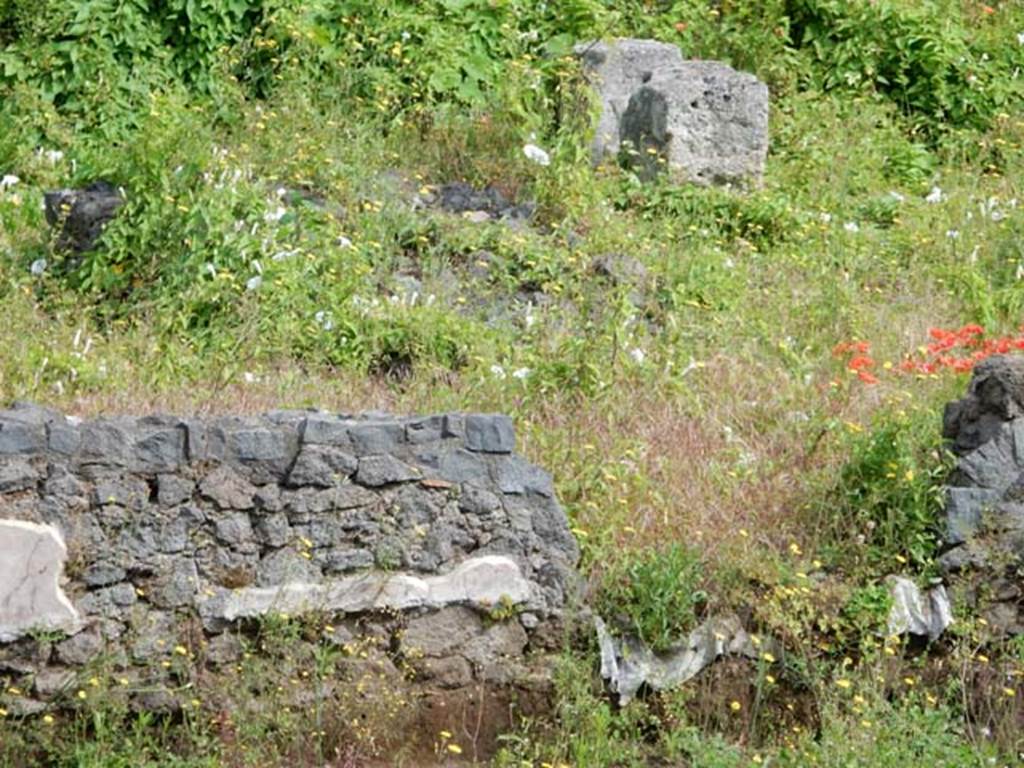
269, 149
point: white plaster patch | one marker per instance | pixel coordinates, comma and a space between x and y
31, 561
480, 581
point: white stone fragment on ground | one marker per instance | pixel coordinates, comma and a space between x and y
627, 664
31, 598
926, 614
481, 582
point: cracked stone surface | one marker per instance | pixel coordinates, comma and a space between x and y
482, 582
31, 598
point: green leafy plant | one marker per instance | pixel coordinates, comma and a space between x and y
655, 593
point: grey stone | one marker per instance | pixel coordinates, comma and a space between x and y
31, 560
342, 560
421, 431
63, 438
223, 649
997, 463
450, 672
82, 214
172, 490
266, 453
159, 450
273, 529
105, 442
234, 529
20, 438
708, 122
175, 584
49, 683
108, 602
490, 433
228, 490
171, 535
153, 635
62, 482
375, 471
514, 475
441, 632
498, 642
321, 465
17, 475
81, 649
616, 69
121, 490
268, 498
373, 438
326, 430
283, 566
101, 574
965, 510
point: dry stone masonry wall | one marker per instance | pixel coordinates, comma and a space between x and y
430, 533
985, 496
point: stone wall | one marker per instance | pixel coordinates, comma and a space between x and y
120, 536
985, 495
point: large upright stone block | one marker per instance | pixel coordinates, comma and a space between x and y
617, 69
703, 121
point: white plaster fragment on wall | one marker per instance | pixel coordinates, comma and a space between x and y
480, 581
31, 598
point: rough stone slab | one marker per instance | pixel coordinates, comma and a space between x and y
31, 561
483, 582
18, 437
708, 121
965, 510
17, 475
375, 471
616, 69
490, 433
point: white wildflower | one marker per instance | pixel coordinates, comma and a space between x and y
896, 196
637, 355
851, 226
825, 217
936, 195
249, 377
324, 319
275, 215
521, 373
497, 371
953, 234
38, 267
54, 156
343, 242
536, 154
405, 36
210, 269
1020, 38
253, 283
8, 181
